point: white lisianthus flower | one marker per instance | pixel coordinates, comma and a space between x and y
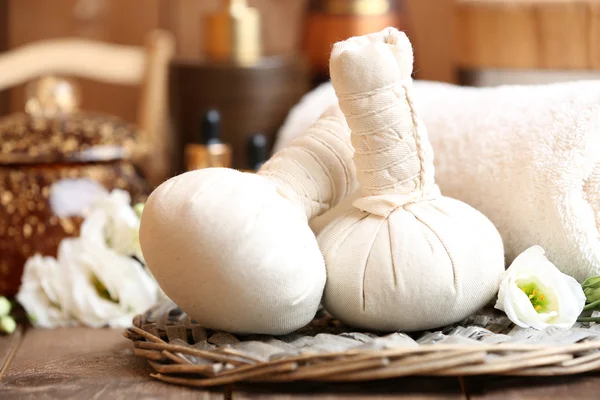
113, 216
108, 288
45, 293
95, 280
74, 197
534, 293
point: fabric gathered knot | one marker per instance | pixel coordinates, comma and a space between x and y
384, 205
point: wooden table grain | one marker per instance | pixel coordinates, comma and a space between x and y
80, 363
83, 363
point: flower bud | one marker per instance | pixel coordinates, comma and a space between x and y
8, 325
593, 282
5, 306
592, 291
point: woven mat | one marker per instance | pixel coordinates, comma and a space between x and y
183, 352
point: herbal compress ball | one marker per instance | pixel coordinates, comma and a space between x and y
401, 256
234, 250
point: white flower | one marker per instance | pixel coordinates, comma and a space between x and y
534, 293
74, 197
45, 293
120, 222
116, 221
95, 280
107, 288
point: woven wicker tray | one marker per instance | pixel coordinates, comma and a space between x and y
181, 351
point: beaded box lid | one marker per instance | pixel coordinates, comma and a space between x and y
53, 130
81, 137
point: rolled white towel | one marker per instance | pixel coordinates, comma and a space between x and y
528, 157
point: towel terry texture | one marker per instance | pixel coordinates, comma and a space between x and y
528, 157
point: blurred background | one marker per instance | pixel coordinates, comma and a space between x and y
255, 62
286, 27
298, 32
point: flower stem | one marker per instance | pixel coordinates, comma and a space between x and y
591, 306
588, 319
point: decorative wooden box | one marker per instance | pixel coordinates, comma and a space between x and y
38, 150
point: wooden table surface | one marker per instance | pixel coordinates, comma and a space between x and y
81, 363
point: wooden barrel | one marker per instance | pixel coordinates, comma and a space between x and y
250, 99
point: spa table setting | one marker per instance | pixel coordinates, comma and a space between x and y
205, 344
406, 260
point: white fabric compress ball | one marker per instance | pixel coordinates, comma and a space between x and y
234, 250
399, 256
207, 250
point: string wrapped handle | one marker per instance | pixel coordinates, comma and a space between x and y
316, 170
394, 159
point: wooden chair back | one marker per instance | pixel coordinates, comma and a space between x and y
147, 67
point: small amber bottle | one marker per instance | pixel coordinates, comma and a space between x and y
253, 89
257, 151
234, 34
208, 150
